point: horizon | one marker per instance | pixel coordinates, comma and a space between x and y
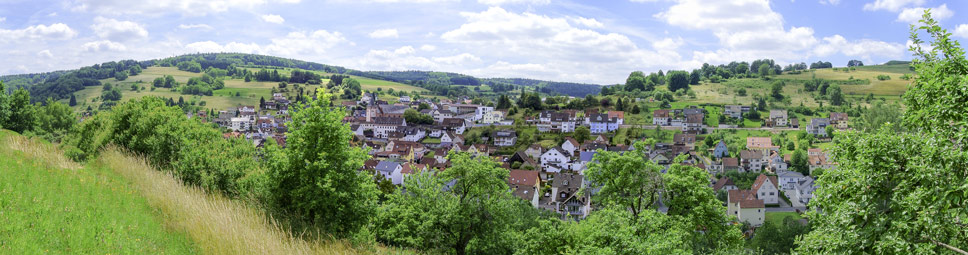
565, 41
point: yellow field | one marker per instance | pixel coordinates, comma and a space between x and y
894, 86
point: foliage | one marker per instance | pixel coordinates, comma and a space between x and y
315, 177
628, 180
773, 238
416, 118
448, 210
688, 195
883, 77
21, 113
53, 120
776, 90
800, 162
678, 80
878, 115
610, 231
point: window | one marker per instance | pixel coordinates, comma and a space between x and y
771, 193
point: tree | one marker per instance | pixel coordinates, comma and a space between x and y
170, 81
836, 96
799, 161
687, 194
582, 133
430, 214
316, 175
21, 116
635, 109
262, 102
504, 102
765, 70
678, 80
854, 62
414, 117
877, 115
630, 180
919, 207
53, 120
121, 75
609, 231
158, 82
777, 90
636, 80
773, 238
694, 77
73, 101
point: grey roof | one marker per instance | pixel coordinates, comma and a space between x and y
586, 156
789, 174
387, 166
820, 122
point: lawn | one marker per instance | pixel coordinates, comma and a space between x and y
49, 204
777, 217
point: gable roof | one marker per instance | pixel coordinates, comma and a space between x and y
523, 177
661, 113
759, 142
722, 182
745, 198
573, 142
761, 180
616, 114
387, 166
730, 162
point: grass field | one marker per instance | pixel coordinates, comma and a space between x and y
49, 204
777, 217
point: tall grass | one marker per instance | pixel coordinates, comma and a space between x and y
217, 224
51, 205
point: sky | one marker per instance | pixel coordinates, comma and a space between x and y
597, 42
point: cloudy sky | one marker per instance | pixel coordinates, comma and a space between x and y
565, 40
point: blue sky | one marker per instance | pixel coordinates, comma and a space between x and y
578, 41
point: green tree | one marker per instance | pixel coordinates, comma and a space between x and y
628, 180
316, 177
688, 195
21, 116
54, 120
799, 162
636, 109
582, 133
765, 70
776, 90
678, 80
636, 80
836, 95
431, 214
919, 208
158, 82
773, 238
610, 231
695, 76
121, 75
414, 117
170, 81
877, 115
73, 101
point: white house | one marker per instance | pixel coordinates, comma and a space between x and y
804, 190
504, 138
391, 171
571, 145
660, 117
241, 124
492, 117
766, 189
746, 207
480, 111
554, 160
789, 179
601, 123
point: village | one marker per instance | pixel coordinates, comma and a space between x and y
552, 177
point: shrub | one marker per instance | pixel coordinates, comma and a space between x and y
883, 77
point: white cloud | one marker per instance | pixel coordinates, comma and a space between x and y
891, 5
457, 59
864, 49
160, 7
103, 45
569, 51
913, 15
428, 47
592, 23
2, 19
195, 26
503, 2
45, 54
399, 59
384, 33
272, 18
830, 2
303, 45
116, 30
56, 31
961, 31
398, 1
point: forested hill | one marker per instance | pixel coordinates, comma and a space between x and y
61, 84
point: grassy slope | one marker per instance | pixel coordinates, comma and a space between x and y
777, 217
49, 204
249, 92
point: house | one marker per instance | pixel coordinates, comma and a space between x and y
818, 126
552, 121
584, 158
766, 189
730, 164
693, 122
601, 123
762, 144
619, 116
525, 161
789, 179
411, 134
505, 138
567, 200
778, 118
776, 162
525, 185
689, 140
804, 190
571, 145
794, 123
721, 150
735, 111
751, 160
724, 184
404, 99
746, 207
391, 171
660, 117
450, 138
453, 124
381, 126
838, 120
554, 160
241, 124
534, 151
820, 162
492, 117
441, 114
481, 111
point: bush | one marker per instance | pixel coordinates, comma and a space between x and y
883, 77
